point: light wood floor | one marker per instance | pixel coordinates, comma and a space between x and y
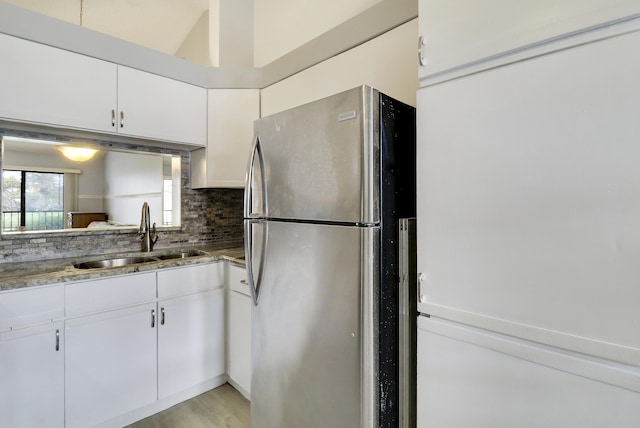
223, 407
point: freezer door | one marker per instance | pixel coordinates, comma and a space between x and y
312, 358
321, 160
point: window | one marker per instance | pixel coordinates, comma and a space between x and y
32, 200
167, 201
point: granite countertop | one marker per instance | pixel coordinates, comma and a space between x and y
43, 272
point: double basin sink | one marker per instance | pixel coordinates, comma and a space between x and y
127, 261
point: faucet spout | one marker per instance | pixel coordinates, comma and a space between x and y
149, 235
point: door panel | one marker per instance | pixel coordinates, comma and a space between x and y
317, 159
528, 204
306, 333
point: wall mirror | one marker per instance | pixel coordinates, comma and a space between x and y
46, 187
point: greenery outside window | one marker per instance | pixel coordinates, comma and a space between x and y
32, 200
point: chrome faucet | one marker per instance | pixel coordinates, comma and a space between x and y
149, 236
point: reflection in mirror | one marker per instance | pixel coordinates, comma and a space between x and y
44, 189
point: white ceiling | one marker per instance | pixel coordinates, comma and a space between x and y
162, 25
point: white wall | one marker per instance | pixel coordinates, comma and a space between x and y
130, 180
91, 185
196, 46
387, 63
280, 26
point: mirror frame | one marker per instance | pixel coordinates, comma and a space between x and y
91, 141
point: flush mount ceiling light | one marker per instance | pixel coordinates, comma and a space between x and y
76, 154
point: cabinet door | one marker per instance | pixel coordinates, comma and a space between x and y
190, 341
230, 135
110, 364
528, 204
46, 85
239, 343
468, 377
31, 306
156, 107
239, 329
460, 33
32, 377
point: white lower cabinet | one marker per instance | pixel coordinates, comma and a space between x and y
32, 357
110, 351
133, 341
190, 341
111, 366
32, 377
239, 330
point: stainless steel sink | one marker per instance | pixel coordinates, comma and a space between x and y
119, 262
180, 255
127, 261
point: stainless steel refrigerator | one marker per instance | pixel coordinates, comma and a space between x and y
326, 186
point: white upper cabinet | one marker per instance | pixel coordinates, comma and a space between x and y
230, 126
52, 86
464, 33
152, 106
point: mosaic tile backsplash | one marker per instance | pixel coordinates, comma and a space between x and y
210, 217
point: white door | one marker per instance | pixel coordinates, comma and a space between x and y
190, 341
111, 364
32, 377
151, 106
310, 333
51, 86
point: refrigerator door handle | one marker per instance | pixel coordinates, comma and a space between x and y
254, 280
256, 153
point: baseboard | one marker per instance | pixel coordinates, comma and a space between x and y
246, 394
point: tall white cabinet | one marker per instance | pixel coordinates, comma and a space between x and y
467, 35
527, 183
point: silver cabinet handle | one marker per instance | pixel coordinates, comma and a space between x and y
421, 58
113, 117
121, 119
153, 318
244, 282
57, 340
161, 316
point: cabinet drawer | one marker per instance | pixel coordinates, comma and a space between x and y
238, 280
190, 279
105, 294
22, 308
